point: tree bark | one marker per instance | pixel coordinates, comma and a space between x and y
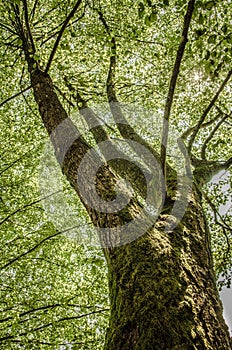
162, 286
163, 293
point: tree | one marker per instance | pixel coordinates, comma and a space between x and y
162, 283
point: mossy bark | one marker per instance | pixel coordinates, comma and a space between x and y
162, 289
162, 286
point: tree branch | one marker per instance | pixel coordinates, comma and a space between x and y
61, 32
173, 81
26, 206
14, 96
37, 245
28, 26
124, 169
90, 117
125, 129
53, 323
204, 125
206, 111
206, 169
32, 14
211, 135
222, 224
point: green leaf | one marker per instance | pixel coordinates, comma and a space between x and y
209, 5
166, 2
200, 32
207, 55
201, 19
147, 21
153, 17
36, 57
141, 9
212, 39
19, 42
224, 29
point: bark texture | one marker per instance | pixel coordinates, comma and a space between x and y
162, 289
162, 286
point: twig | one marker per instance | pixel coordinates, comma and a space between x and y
18, 25
26, 206
7, 28
37, 245
216, 214
41, 18
148, 42
57, 32
16, 161
64, 96
14, 96
53, 323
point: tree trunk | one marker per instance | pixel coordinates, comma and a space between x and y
162, 287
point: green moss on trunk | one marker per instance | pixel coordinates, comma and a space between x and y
162, 290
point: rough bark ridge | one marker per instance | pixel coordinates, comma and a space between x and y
162, 287
61, 129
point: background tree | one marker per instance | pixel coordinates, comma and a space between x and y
162, 285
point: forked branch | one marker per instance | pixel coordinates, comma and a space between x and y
205, 170
206, 111
218, 219
204, 125
124, 169
125, 129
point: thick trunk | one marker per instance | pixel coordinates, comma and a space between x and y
162, 290
162, 287
70, 148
